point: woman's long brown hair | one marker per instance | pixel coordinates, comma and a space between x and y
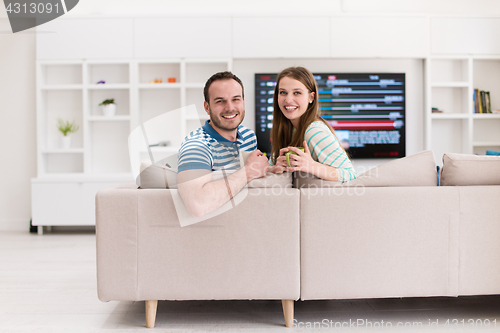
282, 134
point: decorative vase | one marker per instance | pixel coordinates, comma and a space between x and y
66, 142
109, 110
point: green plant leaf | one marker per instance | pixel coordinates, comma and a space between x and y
108, 101
66, 127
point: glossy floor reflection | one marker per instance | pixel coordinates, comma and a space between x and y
48, 284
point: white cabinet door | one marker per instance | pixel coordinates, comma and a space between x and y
379, 37
465, 35
85, 38
276, 37
57, 204
65, 203
182, 37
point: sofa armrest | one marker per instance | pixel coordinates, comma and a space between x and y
116, 242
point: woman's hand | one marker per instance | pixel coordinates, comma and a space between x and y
303, 161
280, 165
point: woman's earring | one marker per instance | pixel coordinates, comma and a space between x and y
310, 102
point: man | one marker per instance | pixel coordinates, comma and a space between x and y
215, 146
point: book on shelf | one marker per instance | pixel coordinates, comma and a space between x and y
476, 101
481, 101
488, 102
483, 104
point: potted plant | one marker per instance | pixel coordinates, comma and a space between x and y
66, 127
108, 107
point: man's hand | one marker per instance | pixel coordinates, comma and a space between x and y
202, 195
256, 165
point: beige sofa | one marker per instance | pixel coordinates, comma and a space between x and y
390, 233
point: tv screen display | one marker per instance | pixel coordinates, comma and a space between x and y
366, 110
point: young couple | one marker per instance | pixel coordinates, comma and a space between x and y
216, 145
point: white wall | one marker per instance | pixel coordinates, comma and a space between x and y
438, 7
205, 8
17, 127
284, 7
17, 70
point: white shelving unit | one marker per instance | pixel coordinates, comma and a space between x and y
99, 155
450, 84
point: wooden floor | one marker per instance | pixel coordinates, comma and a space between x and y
48, 284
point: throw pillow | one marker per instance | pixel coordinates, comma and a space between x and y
415, 170
468, 169
156, 175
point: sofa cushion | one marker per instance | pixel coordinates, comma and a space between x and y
468, 169
415, 170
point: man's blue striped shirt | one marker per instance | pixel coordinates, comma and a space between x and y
206, 149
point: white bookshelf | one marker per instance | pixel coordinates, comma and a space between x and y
450, 84
70, 91
99, 153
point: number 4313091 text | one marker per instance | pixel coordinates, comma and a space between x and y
32, 8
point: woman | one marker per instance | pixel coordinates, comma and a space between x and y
297, 122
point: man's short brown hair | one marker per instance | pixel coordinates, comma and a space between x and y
222, 76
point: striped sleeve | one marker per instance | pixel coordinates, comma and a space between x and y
248, 140
326, 149
194, 154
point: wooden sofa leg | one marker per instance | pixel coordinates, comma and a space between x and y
288, 311
151, 313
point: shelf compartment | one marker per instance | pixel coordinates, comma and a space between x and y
110, 73
481, 149
195, 96
109, 147
154, 102
451, 99
486, 74
486, 131
121, 97
159, 71
450, 136
161, 115
449, 70
197, 72
61, 74
65, 105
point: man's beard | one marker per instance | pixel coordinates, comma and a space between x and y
218, 122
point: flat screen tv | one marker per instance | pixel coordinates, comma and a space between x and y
366, 110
